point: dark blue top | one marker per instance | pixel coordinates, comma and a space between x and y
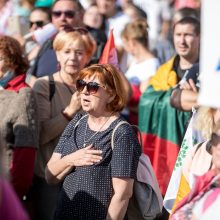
87, 191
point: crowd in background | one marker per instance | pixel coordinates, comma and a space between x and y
46, 87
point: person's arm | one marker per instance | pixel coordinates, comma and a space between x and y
22, 169
123, 189
50, 128
184, 97
58, 167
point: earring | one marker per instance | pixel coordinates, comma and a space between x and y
58, 66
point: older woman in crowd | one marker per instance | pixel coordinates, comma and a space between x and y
204, 199
18, 122
58, 102
98, 181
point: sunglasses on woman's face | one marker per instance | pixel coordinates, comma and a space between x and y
91, 87
68, 14
37, 23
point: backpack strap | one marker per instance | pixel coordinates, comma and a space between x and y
118, 125
198, 146
52, 87
77, 123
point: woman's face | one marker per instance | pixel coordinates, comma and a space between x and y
95, 103
128, 45
72, 57
92, 17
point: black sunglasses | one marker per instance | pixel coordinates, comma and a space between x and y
92, 87
81, 30
68, 13
38, 23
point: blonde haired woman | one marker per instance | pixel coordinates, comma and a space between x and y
143, 65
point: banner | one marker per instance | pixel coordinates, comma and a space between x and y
210, 55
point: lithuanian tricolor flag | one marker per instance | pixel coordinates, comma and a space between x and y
162, 126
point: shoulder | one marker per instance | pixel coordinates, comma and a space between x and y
41, 84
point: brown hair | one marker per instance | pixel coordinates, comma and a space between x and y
12, 53
111, 78
190, 20
78, 4
137, 30
88, 41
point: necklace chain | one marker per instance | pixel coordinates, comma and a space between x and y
84, 139
70, 90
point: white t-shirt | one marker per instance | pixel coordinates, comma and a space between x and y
139, 72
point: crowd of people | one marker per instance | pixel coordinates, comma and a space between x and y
59, 106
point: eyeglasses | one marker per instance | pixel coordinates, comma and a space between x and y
68, 13
38, 23
92, 87
81, 30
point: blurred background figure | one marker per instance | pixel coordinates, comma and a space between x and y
93, 18
18, 120
57, 102
115, 19
143, 65
6, 10
10, 205
63, 13
134, 12
94, 21
203, 200
37, 19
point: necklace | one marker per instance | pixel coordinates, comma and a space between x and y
84, 139
70, 90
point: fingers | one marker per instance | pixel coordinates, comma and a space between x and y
189, 85
185, 85
192, 84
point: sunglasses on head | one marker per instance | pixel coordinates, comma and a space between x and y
81, 30
91, 87
68, 13
37, 23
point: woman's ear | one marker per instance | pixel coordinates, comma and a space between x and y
111, 98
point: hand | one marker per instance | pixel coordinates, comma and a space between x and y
189, 85
74, 106
84, 157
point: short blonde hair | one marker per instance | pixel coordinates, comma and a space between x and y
86, 39
109, 76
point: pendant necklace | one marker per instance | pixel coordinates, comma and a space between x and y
84, 139
67, 86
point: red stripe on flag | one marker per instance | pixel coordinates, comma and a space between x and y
163, 155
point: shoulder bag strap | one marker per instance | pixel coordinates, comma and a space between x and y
52, 87
118, 125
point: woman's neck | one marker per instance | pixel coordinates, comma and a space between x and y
141, 54
67, 78
106, 118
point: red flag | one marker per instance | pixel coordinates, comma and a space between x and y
109, 54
